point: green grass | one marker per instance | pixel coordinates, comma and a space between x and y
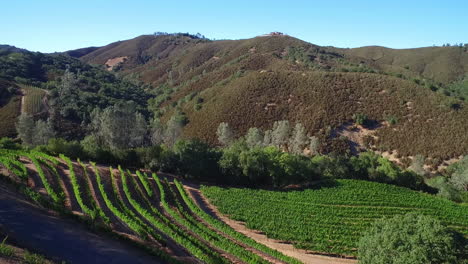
31, 258
6, 250
330, 219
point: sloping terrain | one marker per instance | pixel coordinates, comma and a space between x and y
143, 208
46, 233
72, 88
254, 82
331, 217
441, 64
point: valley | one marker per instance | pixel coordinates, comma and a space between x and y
123, 146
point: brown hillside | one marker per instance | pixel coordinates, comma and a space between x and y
442, 64
254, 82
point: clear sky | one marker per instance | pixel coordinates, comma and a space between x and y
54, 25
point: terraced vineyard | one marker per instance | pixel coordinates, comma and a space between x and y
33, 101
155, 212
8, 114
331, 218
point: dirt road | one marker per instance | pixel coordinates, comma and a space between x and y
61, 239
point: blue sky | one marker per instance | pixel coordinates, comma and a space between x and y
53, 25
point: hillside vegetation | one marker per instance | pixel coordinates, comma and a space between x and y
254, 82
73, 89
441, 64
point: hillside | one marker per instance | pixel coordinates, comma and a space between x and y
172, 219
330, 217
154, 212
254, 82
441, 64
72, 88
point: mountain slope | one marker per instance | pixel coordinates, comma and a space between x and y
254, 82
441, 64
74, 89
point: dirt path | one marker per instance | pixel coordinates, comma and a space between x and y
61, 239
287, 249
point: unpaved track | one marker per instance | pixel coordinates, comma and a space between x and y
287, 249
62, 239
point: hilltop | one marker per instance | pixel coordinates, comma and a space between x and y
254, 82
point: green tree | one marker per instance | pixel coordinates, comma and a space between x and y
225, 134
254, 137
25, 128
43, 132
280, 133
411, 238
174, 128
298, 139
119, 126
314, 145
418, 165
157, 132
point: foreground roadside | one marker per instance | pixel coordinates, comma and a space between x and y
60, 239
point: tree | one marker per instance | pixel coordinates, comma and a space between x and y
410, 238
139, 131
280, 133
225, 134
173, 131
25, 128
157, 132
458, 174
196, 159
459, 180
298, 139
254, 137
418, 165
267, 138
68, 84
314, 145
43, 132
119, 126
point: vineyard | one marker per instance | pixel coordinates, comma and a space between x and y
153, 211
8, 114
331, 217
33, 101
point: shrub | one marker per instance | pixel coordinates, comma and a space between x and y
5, 250
410, 238
196, 159
445, 189
58, 146
31, 258
360, 119
8, 143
